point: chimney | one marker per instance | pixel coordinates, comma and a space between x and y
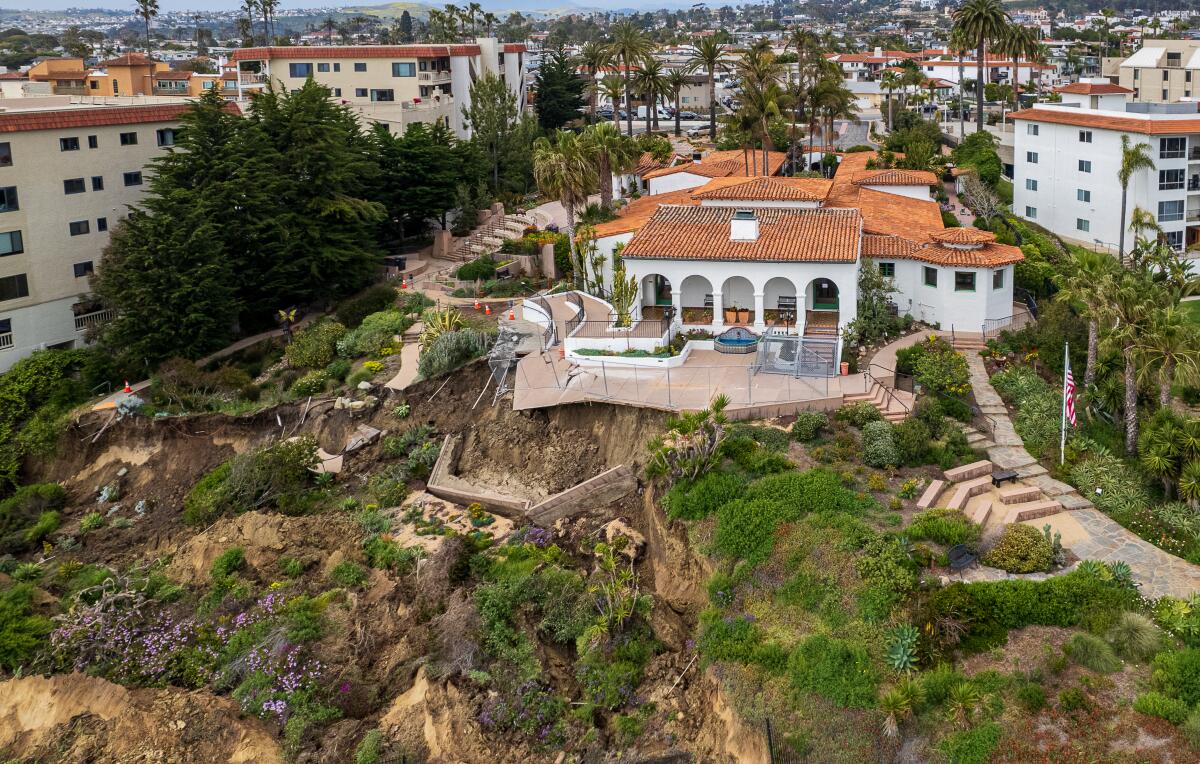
696, 157
878, 52
743, 226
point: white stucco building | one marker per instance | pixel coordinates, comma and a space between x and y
1067, 157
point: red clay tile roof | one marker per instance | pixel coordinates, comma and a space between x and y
990, 256
634, 215
13, 76
912, 219
876, 245
963, 236
514, 47
1128, 124
56, 76
353, 51
770, 189
129, 59
721, 164
784, 235
894, 178
1092, 88
173, 75
17, 121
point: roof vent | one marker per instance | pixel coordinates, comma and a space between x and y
697, 156
743, 226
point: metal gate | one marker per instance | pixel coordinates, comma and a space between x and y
797, 356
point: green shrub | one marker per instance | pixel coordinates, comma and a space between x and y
351, 312
879, 445
412, 302
291, 567
1191, 729
1032, 698
370, 748
1021, 549
1177, 673
276, 476
1072, 699
1156, 704
348, 574
973, 746
22, 632
227, 563
311, 383
47, 523
858, 414
92, 521
943, 526
338, 369
1134, 637
1091, 652
26, 516
483, 268
836, 669
450, 351
376, 332
808, 425
771, 438
695, 501
912, 438
314, 346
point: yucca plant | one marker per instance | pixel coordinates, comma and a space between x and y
897, 706
961, 704
437, 323
27, 571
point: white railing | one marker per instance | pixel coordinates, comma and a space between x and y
6, 341
94, 319
434, 76
251, 78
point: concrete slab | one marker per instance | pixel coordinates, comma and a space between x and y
1010, 457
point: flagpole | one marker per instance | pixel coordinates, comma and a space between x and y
1062, 442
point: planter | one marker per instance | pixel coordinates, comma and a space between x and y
845, 368
743, 316
730, 316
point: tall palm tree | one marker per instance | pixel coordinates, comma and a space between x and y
674, 82
630, 46
563, 169
611, 88
614, 154
489, 22
761, 73
889, 82
1170, 348
148, 9
810, 59
708, 55
958, 44
594, 57
473, 13
1130, 301
1134, 157
982, 22
651, 83
1106, 15
268, 10
1080, 285
1019, 42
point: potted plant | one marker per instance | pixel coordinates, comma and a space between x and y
731, 314
743, 315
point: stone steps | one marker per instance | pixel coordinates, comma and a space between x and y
980, 514
930, 495
967, 489
878, 396
1032, 510
1019, 494
981, 468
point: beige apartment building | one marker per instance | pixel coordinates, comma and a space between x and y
1161, 71
393, 84
68, 173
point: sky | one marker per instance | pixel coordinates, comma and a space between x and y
187, 5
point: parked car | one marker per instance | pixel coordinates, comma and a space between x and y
688, 115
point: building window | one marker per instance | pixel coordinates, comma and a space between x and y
930, 276
322, 67
1031, 212
5, 155
404, 70
74, 186
83, 269
1174, 239
1170, 180
1136, 74
1083, 195
300, 71
1031, 129
1169, 212
97, 182
1085, 165
1083, 225
6, 330
93, 142
361, 66
101, 224
383, 94
1085, 136
1031, 157
360, 92
128, 139
8, 199
337, 92
133, 178
964, 281
80, 227
337, 67
887, 270
1030, 184
11, 243
998, 278
1172, 148
1165, 96
14, 287
166, 136
68, 144
208, 84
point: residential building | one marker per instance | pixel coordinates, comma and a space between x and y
1162, 71
393, 84
1067, 157
68, 174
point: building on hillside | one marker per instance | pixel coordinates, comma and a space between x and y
393, 84
786, 253
1067, 157
682, 174
68, 174
66, 76
1162, 71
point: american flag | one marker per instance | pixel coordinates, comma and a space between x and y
1069, 395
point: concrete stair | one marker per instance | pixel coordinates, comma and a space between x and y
1019, 494
891, 406
966, 490
930, 495
1031, 510
968, 343
980, 514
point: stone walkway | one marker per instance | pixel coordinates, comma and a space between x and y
1086, 531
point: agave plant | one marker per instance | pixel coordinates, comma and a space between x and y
1122, 573
901, 653
437, 323
27, 571
961, 704
1095, 569
897, 705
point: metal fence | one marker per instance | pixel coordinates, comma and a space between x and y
796, 356
548, 334
645, 329
778, 751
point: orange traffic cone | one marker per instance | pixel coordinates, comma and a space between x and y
404, 283
476, 303
487, 310
512, 315
127, 389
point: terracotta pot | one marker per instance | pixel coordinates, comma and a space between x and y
845, 368
743, 315
730, 316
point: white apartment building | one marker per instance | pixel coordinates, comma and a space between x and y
395, 85
1162, 71
68, 173
1067, 156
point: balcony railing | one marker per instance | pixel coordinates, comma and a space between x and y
443, 76
1194, 154
252, 78
1193, 216
94, 319
70, 90
6, 341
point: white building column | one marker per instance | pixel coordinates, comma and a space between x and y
718, 320
677, 304
760, 321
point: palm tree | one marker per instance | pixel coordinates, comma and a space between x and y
651, 83
1129, 303
629, 46
611, 88
762, 103
563, 169
1170, 348
489, 22
889, 82
959, 45
472, 14
810, 61
594, 57
982, 22
674, 82
148, 9
1134, 157
1018, 42
1107, 16
268, 10
708, 55
614, 154
1080, 285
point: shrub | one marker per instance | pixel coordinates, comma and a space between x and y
1134, 637
310, 384
1021, 549
1177, 674
276, 476
26, 516
943, 526
376, 332
858, 414
348, 574
450, 351
973, 746
1072, 699
1156, 704
338, 369
912, 438
808, 425
92, 521
1032, 698
483, 268
836, 669
351, 312
412, 302
942, 369
1091, 652
227, 563
314, 346
370, 748
879, 445
770, 438
1191, 729
695, 501
22, 632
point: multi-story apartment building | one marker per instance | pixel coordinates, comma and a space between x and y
68, 173
393, 84
1067, 156
1162, 71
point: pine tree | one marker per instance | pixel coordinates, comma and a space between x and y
419, 174
406, 27
559, 91
490, 117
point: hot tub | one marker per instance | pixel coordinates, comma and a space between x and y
736, 341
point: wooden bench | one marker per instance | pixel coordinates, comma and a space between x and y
969, 471
931, 493
1003, 476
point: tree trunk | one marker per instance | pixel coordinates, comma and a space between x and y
889, 124
649, 97
653, 105
581, 276
712, 105
746, 160
1093, 347
979, 86
1164, 383
1131, 421
606, 184
676, 113
628, 103
962, 101
1121, 234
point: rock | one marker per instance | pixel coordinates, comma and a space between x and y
364, 385
363, 435
667, 626
342, 403
618, 529
357, 405
122, 472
